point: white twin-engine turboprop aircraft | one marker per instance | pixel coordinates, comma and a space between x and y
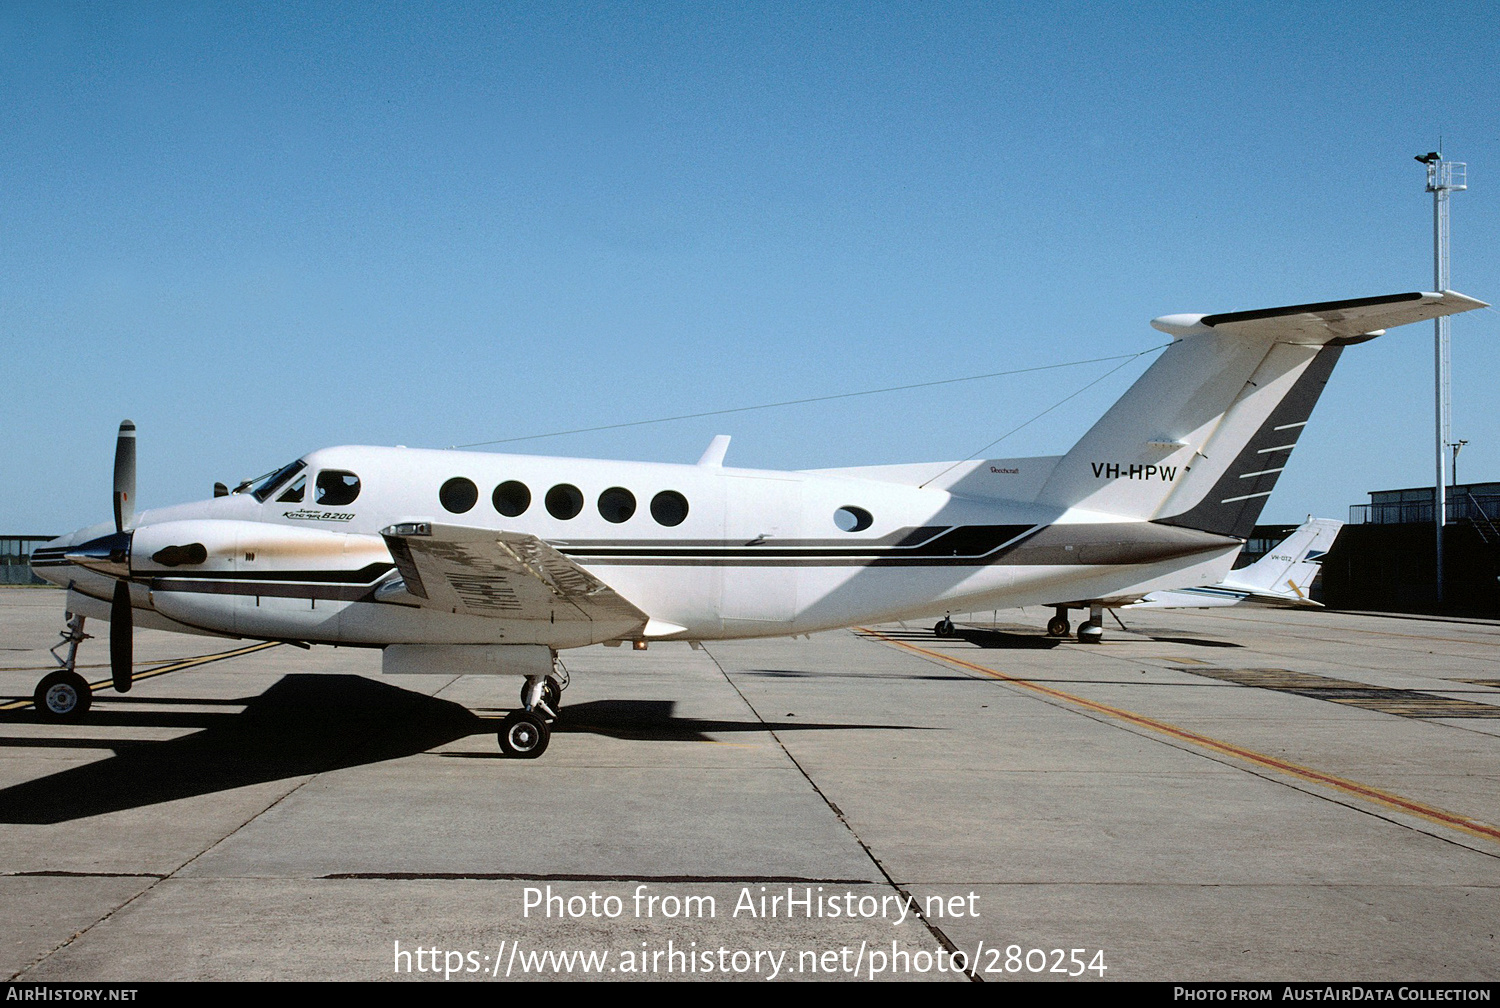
460, 562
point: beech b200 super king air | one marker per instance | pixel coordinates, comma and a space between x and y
462, 562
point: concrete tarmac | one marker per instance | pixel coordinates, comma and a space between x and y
1233, 794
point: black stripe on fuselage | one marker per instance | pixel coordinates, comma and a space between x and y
970, 542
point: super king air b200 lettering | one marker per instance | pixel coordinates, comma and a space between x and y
461, 562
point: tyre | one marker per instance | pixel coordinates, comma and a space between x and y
1057, 626
523, 735
63, 695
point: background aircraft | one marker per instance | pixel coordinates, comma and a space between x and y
1284, 576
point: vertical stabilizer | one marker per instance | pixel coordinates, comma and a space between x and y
1201, 438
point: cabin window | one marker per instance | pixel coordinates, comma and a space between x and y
294, 492
669, 508
852, 519
335, 488
511, 498
564, 501
458, 494
616, 504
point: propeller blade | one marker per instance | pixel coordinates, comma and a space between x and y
125, 476
121, 637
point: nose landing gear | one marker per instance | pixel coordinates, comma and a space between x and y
64, 694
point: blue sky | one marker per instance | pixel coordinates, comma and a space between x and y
262, 229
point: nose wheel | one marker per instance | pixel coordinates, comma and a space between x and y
63, 695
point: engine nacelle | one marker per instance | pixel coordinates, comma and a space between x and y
217, 546
256, 579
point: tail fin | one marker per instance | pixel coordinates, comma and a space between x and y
1200, 439
1286, 572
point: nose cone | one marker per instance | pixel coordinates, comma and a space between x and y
108, 554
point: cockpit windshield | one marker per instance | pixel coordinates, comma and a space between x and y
264, 486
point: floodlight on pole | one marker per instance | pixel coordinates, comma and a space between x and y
1443, 178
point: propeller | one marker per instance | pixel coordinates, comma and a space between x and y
121, 616
125, 475
121, 637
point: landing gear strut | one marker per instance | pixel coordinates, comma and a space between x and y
524, 734
1092, 630
64, 694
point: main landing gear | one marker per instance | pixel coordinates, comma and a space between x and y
64, 694
1058, 626
1090, 631
524, 734
944, 628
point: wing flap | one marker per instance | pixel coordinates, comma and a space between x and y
502, 575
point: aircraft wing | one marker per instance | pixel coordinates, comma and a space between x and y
502, 575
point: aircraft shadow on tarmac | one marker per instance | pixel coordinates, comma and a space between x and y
654, 720
1194, 641
302, 725
993, 639
1000, 639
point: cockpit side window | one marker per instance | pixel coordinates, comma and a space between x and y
335, 488
264, 487
294, 493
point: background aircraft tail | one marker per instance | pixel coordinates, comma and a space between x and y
1288, 570
1200, 439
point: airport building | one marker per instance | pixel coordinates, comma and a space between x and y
1384, 559
15, 558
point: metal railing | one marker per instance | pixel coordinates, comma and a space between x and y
1464, 508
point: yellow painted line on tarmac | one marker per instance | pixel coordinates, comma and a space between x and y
176, 666
1393, 801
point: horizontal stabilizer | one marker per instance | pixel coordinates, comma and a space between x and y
1325, 321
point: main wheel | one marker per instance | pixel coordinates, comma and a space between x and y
1090, 632
523, 735
63, 695
944, 627
1057, 626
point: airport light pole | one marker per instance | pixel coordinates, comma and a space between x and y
1443, 178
